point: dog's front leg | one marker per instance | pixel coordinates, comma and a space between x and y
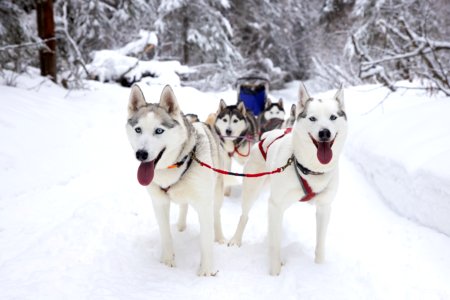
274, 237
162, 213
181, 224
206, 220
323, 212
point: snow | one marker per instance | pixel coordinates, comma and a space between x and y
110, 65
75, 224
136, 47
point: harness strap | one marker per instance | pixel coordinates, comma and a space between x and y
261, 146
236, 150
177, 165
307, 190
226, 172
309, 194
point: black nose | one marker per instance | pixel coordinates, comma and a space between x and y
228, 131
324, 135
141, 155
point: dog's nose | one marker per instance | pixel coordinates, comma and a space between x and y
228, 131
324, 135
141, 155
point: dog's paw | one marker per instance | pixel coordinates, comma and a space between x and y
181, 226
319, 256
275, 271
220, 241
275, 268
320, 259
206, 272
168, 260
234, 242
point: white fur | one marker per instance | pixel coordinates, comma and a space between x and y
198, 187
285, 188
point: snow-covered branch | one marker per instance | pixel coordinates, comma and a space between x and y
407, 53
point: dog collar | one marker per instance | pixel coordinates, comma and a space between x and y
179, 164
305, 170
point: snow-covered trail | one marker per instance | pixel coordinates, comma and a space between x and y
93, 236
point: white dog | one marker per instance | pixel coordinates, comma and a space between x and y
310, 154
165, 143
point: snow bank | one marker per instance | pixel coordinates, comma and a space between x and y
125, 65
402, 144
110, 65
75, 223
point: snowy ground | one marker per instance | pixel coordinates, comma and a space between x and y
75, 223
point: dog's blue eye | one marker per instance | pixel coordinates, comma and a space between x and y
138, 130
312, 119
333, 117
159, 130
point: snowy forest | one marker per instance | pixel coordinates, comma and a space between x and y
350, 41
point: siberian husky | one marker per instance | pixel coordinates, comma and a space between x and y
165, 143
309, 156
237, 128
272, 117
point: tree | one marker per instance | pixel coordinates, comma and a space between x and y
405, 41
16, 29
46, 29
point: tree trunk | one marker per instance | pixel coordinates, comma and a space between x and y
185, 40
46, 30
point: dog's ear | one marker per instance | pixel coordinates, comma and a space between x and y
168, 101
293, 109
241, 108
303, 96
268, 103
136, 100
280, 103
340, 97
222, 106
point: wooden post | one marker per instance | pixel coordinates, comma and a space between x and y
46, 30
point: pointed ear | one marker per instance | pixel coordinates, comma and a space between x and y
136, 100
168, 101
268, 103
293, 108
222, 106
340, 97
303, 96
241, 108
280, 103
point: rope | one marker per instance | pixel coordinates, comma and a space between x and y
226, 172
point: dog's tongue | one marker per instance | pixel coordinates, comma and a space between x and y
324, 152
145, 172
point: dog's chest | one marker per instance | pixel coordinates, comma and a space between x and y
294, 189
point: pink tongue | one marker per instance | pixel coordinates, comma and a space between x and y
324, 152
145, 172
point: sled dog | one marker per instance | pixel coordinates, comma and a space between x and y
237, 128
165, 143
272, 117
310, 153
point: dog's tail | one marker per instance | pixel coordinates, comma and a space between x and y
211, 119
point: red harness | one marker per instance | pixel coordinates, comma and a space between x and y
236, 150
309, 194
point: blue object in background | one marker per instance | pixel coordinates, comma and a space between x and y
253, 98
